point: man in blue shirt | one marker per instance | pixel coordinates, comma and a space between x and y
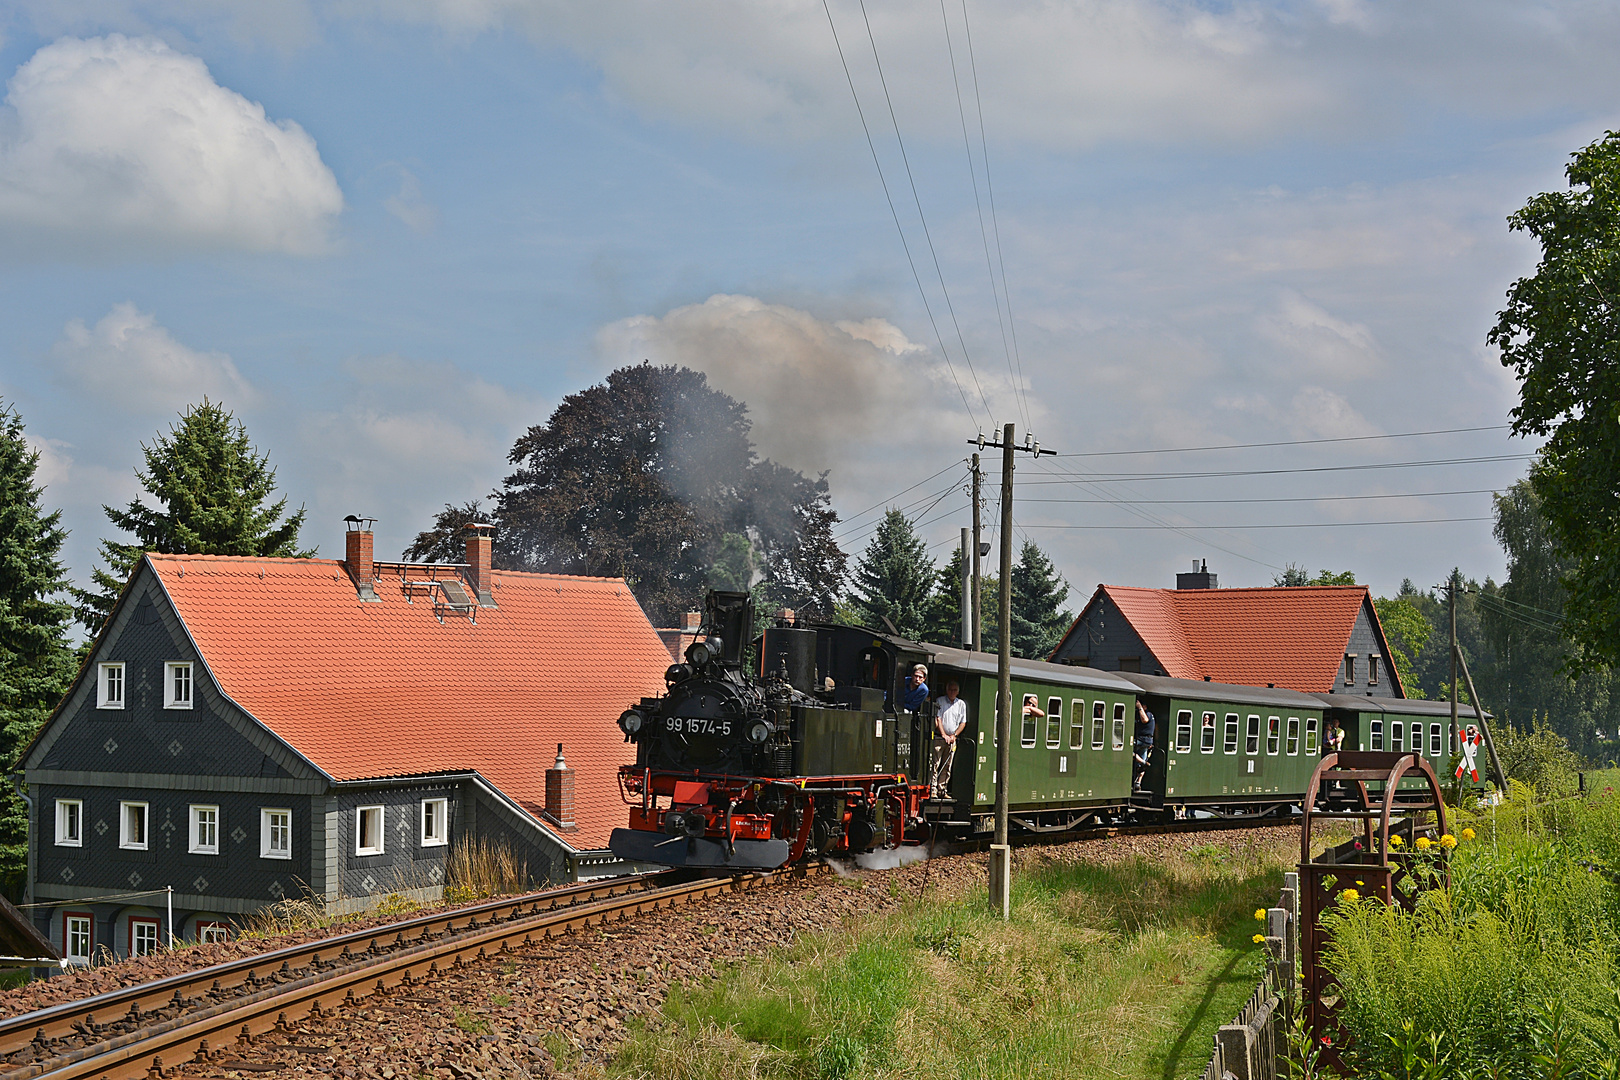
916, 688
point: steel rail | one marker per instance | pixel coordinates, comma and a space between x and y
124, 1008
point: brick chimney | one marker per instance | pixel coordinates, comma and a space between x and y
691, 620
560, 793
357, 557
480, 562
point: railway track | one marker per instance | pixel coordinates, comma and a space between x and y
199, 1016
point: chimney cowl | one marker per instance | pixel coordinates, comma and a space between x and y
560, 794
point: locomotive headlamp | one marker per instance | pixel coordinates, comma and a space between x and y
705, 651
630, 722
758, 732
677, 673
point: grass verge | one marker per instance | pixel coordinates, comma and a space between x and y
1106, 970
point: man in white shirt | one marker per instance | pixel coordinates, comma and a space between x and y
950, 717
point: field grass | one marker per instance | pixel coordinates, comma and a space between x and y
1119, 969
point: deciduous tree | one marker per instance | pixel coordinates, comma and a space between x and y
1560, 333
211, 486
446, 541
36, 662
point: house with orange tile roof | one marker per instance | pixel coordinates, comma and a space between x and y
1314, 639
247, 730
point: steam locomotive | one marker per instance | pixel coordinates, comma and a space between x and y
803, 751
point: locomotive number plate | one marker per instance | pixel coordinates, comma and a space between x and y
697, 725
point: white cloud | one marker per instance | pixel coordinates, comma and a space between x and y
1313, 340
410, 206
128, 360
114, 143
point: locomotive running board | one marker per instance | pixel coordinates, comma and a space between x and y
643, 846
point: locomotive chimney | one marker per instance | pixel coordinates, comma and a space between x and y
560, 793
357, 556
480, 560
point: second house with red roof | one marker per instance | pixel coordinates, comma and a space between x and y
248, 730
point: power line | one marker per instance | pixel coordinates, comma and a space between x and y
990, 192
1293, 442
867, 529
906, 160
984, 237
1298, 525
1114, 478
1294, 499
884, 502
870, 145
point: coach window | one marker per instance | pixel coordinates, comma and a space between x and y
1376, 734
1349, 669
1372, 669
1119, 725
1293, 736
1054, 723
1206, 737
1434, 740
1184, 731
77, 936
143, 937
1395, 737
1273, 734
69, 823
1077, 724
1251, 738
176, 685
1310, 735
110, 686
368, 830
1231, 732
132, 825
1099, 720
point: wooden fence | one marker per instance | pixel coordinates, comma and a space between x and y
1254, 1045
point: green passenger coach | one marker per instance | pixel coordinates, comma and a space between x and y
1413, 726
1229, 750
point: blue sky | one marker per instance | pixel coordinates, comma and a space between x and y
392, 236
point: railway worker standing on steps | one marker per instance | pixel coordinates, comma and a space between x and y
950, 717
1141, 745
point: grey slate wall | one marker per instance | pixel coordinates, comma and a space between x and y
1103, 637
1364, 643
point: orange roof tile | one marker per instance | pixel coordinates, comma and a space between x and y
371, 690
1293, 637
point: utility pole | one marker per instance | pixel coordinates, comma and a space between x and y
1451, 594
966, 637
978, 621
1000, 850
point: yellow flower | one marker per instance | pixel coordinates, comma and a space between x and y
1361, 883
1349, 896
1260, 914
1448, 841
1258, 938
1396, 841
1424, 843
1468, 834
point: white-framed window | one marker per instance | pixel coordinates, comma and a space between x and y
1435, 731
1206, 735
177, 685
1273, 734
435, 822
1293, 736
1119, 725
110, 686
132, 825
69, 823
1230, 744
143, 936
1099, 720
1054, 723
1310, 735
78, 935
1184, 731
1251, 738
1376, 738
1077, 724
275, 833
368, 830
204, 830
210, 933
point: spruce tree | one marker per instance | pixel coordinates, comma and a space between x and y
210, 483
36, 663
894, 577
1038, 593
